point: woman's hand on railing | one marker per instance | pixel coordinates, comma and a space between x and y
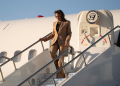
41, 39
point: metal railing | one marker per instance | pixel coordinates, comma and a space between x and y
4, 57
65, 64
12, 59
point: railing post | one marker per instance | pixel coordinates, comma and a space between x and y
1, 74
63, 68
54, 82
14, 64
84, 59
73, 55
73, 61
29, 83
109, 39
42, 45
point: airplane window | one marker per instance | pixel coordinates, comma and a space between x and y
17, 58
32, 54
3, 59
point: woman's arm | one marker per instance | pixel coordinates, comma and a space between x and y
69, 33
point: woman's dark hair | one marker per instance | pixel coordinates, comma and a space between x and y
62, 14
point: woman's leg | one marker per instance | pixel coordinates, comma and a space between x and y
53, 50
61, 73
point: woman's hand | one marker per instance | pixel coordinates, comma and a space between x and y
66, 43
41, 39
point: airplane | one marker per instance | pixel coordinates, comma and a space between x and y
92, 59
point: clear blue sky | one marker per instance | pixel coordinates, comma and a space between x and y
21, 9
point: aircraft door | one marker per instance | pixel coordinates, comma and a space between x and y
94, 24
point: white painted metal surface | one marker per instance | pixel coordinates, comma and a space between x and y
103, 70
89, 55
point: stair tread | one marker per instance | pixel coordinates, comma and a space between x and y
57, 80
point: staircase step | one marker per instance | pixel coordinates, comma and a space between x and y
45, 85
50, 81
48, 85
70, 74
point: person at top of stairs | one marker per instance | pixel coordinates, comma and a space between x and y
61, 35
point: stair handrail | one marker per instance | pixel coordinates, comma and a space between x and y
66, 63
1, 57
12, 59
4, 57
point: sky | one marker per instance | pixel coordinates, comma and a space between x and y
22, 9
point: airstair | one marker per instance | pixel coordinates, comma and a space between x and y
101, 70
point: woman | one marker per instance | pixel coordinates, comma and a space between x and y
61, 35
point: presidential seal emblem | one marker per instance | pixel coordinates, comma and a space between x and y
92, 17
